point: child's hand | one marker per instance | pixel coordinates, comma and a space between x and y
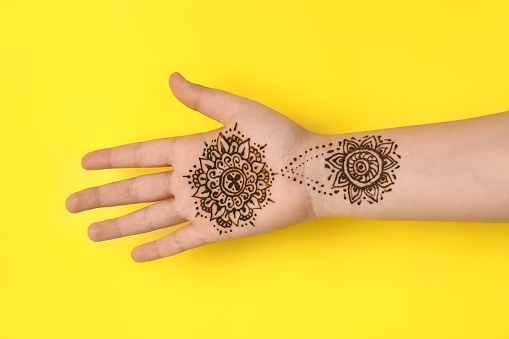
226, 183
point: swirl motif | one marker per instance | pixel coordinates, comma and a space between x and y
363, 167
231, 181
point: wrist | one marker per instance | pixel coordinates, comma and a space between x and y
318, 177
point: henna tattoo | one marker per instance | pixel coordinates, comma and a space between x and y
232, 181
361, 169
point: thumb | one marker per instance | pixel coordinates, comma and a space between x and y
216, 104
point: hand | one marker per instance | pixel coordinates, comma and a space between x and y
226, 183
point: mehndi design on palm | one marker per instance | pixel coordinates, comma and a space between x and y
232, 181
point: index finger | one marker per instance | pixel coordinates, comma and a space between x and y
153, 153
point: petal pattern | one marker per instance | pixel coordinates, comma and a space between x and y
244, 149
217, 212
354, 193
385, 148
253, 204
234, 217
349, 146
385, 180
202, 192
340, 181
372, 192
369, 143
206, 164
336, 160
389, 162
222, 144
257, 166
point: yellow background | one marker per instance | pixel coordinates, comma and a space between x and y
77, 76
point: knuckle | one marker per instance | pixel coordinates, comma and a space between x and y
172, 209
198, 102
137, 153
117, 227
157, 250
177, 242
147, 219
132, 189
109, 156
98, 196
171, 149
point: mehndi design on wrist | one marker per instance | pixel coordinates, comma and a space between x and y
232, 181
361, 169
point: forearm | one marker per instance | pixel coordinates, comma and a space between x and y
453, 171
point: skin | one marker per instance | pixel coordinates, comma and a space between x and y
454, 171
172, 192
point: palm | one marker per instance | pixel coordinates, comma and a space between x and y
224, 182
260, 129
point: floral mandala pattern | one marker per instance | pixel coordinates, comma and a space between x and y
232, 181
364, 169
